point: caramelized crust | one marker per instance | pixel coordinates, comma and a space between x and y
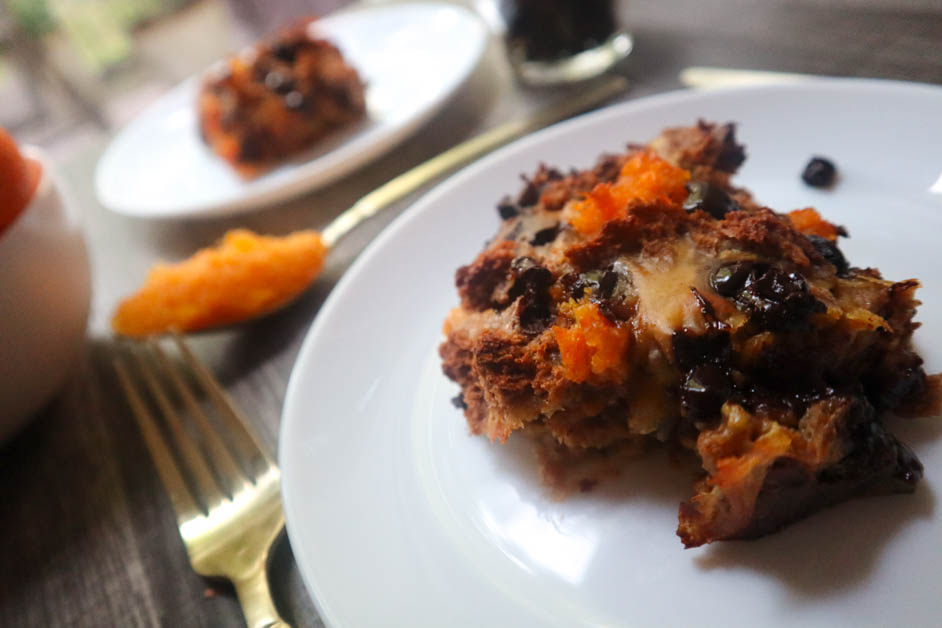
708, 148
763, 474
647, 300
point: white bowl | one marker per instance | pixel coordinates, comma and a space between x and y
45, 292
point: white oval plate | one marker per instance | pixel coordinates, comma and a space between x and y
411, 57
398, 517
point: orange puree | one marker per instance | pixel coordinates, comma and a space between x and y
810, 222
592, 344
18, 180
645, 178
244, 276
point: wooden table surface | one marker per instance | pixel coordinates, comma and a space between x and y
87, 534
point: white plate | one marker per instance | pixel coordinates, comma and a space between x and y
398, 517
411, 57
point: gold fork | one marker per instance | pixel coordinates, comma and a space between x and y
223, 486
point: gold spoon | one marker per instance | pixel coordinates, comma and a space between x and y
188, 296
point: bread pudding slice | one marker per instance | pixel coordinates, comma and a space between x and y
648, 300
278, 98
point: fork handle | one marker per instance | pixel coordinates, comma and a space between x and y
255, 598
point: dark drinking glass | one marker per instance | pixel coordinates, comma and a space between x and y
556, 41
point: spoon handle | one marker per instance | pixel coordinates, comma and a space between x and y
709, 77
464, 152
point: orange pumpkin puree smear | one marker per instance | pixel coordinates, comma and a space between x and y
810, 222
244, 276
592, 344
645, 178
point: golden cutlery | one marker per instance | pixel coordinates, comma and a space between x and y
709, 77
224, 488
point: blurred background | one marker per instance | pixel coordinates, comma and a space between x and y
71, 70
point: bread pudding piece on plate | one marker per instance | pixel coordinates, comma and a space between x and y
278, 98
647, 300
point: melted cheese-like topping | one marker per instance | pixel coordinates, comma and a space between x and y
665, 301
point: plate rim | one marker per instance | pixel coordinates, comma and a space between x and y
415, 210
269, 196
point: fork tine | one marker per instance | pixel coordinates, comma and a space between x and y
235, 422
232, 538
206, 487
227, 471
183, 503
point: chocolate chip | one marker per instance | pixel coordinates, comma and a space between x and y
704, 391
819, 172
521, 264
530, 195
776, 299
534, 279
706, 309
507, 208
608, 282
286, 51
691, 349
830, 252
710, 198
545, 236
729, 279
615, 295
731, 155
534, 312
578, 283
279, 83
